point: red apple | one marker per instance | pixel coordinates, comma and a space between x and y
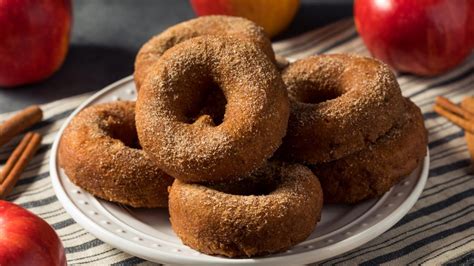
26, 239
273, 16
34, 39
424, 37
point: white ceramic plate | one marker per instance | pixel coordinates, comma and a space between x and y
147, 233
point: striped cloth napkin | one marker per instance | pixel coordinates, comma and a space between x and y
438, 230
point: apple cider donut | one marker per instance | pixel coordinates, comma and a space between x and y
339, 104
100, 153
202, 149
275, 210
373, 171
241, 28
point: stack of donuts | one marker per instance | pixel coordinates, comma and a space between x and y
239, 145
350, 124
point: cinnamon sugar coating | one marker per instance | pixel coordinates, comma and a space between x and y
340, 104
99, 152
196, 147
238, 27
373, 171
240, 221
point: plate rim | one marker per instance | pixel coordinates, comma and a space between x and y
141, 251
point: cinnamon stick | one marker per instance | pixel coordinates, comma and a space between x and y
468, 104
15, 156
12, 176
454, 108
19, 122
467, 125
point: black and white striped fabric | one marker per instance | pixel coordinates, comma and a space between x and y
439, 229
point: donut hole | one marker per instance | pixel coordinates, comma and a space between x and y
127, 134
211, 102
313, 93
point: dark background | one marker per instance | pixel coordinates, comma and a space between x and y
107, 34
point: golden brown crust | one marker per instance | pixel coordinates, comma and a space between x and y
233, 225
203, 150
374, 170
241, 28
339, 104
96, 152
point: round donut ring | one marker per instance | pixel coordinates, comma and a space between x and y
339, 104
241, 28
99, 152
373, 171
246, 222
203, 150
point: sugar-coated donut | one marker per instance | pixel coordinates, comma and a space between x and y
197, 147
339, 104
100, 153
275, 210
374, 170
241, 28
